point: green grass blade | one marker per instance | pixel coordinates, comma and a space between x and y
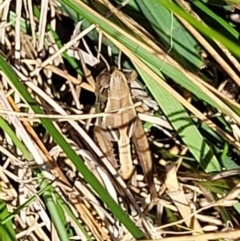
209, 32
8, 130
54, 209
66, 208
7, 232
216, 18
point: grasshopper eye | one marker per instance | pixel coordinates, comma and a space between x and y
104, 84
130, 76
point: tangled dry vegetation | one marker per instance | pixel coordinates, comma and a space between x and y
55, 182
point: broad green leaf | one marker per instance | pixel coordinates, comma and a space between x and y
170, 31
183, 125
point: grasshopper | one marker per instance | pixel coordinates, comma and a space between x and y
123, 127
